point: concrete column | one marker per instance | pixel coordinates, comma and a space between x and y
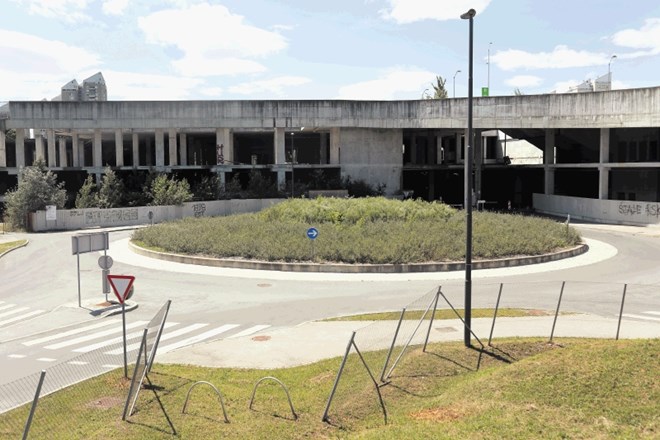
222, 180
97, 149
223, 136
3, 149
75, 148
119, 148
459, 148
135, 141
160, 148
39, 146
335, 146
438, 150
172, 147
52, 150
149, 156
603, 183
281, 180
279, 143
549, 187
604, 145
478, 160
20, 147
324, 149
62, 150
549, 157
183, 149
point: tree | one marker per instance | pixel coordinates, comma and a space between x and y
111, 191
37, 188
208, 188
518, 92
86, 197
166, 191
440, 92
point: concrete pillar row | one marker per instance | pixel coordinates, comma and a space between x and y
279, 144
3, 149
160, 147
335, 146
135, 143
119, 148
40, 153
52, 150
172, 147
183, 149
97, 149
20, 147
61, 142
75, 149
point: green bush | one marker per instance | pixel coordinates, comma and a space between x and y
166, 191
359, 231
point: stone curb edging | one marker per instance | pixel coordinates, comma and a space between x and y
358, 268
17, 247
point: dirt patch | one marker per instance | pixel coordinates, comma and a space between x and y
534, 312
322, 377
261, 338
105, 403
443, 414
264, 285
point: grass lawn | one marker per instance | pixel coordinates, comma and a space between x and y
371, 230
4, 247
441, 314
524, 388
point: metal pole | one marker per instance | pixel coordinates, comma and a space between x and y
123, 325
341, 369
623, 300
389, 353
497, 306
469, 15
34, 404
78, 258
561, 293
293, 154
435, 307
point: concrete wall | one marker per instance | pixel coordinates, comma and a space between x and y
372, 155
74, 219
623, 212
617, 108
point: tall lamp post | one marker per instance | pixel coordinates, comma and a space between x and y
293, 161
457, 72
609, 71
469, 15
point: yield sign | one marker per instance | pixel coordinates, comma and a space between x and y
121, 284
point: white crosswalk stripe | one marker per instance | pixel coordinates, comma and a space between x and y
199, 338
249, 331
74, 331
93, 336
164, 337
11, 313
102, 344
14, 311
21, 317
645, 316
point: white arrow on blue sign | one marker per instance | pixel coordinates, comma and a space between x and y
312, 233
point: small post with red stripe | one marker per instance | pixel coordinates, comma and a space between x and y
122, 285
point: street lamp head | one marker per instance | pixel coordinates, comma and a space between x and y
469, 14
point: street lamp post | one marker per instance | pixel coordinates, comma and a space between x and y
609, 71
293, 161
457, 72
469, 15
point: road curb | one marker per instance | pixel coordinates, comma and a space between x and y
17, 247
358, 268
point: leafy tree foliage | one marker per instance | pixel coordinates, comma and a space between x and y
207, 189
440, 92
37, 188
111, 192
166, 191
86, 197
260, 187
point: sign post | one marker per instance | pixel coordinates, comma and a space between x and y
81, 244
312, 233
122, 285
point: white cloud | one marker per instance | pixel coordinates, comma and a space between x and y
38, 55
390, 86
524, 81
114, 7
27, 86
149, 87
648, 37
273, 86
213, 40
70, 11
409, 11
561, 57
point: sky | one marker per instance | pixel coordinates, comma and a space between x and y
310, 49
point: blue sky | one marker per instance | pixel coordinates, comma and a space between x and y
307, 49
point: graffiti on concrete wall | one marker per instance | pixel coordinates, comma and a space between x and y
199, 209
111, 216
639, 209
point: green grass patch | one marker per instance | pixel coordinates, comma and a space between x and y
7, 246
376, 230
441, 314
524, 388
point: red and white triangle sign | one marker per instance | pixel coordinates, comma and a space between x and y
121, 284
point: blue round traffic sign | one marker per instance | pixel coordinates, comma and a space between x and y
312, 233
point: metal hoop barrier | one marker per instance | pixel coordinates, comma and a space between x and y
222, 404
254, 391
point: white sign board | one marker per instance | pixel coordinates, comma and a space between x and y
81, 244
51, 212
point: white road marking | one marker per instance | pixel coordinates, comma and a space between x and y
17, 356
13, 312
8, 306
249, 331
77, 363
648, 318
93, 336
46, 360
112, 366
92, 347
653, 312
198, 338
21, 317
69, 333
164, 337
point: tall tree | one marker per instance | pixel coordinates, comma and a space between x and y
111, 191
440, 92
86, 197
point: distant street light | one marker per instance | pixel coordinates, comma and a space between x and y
424, 93
457, 72
469, 15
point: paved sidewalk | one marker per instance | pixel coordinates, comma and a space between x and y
314, 341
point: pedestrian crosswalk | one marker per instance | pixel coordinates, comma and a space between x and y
106, 336
12, 313
649, 315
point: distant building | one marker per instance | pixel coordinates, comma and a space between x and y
92, 89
